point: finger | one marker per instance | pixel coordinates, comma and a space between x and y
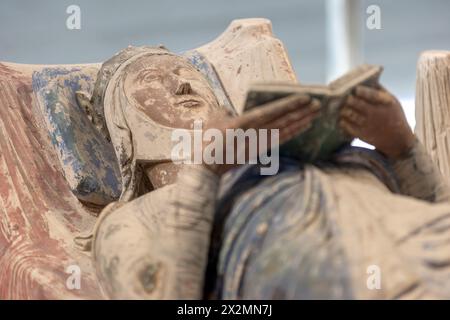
279, 108
373, 96
358, 104
293, 130
273, 110
349, 127
382, 88
353, 115
291, 118
288, 132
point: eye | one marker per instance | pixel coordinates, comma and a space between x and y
149, 76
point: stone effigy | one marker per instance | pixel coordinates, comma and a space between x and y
191, 232
307, 232
52, 189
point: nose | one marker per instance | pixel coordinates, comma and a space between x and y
183, 87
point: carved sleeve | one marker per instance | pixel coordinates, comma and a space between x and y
156, 246
419, 177
192, 212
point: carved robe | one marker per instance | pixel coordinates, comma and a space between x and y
307, 232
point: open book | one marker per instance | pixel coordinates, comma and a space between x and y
324, 136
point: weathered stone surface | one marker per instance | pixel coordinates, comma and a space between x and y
39, 211
39, 214
433, 106
87, 158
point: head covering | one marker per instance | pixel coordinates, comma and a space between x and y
113, 108
107, 70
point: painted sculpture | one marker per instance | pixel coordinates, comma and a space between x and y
85, 165
55, 182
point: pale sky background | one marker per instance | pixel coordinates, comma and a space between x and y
34, 31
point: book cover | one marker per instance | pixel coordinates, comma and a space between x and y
324, 136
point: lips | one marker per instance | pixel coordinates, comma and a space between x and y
189, 103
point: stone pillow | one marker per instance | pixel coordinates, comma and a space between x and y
87, 159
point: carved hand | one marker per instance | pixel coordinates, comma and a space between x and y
376, 117
291, 116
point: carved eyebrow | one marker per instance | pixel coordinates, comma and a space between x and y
145, 72
150, 70
178, 68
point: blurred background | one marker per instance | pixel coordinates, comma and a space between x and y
318, 34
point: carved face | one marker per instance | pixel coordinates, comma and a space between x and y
170, 91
